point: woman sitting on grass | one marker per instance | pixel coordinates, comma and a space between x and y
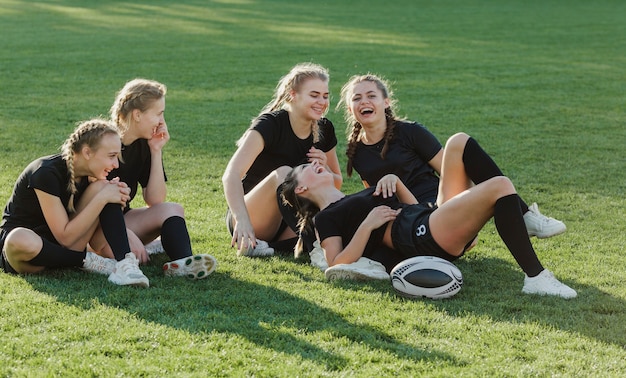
56, 209
386, 224
289, 131
138, 111
379, 143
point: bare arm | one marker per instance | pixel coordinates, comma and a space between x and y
390, 184
333, 246
250, 147
156, 191
75, 233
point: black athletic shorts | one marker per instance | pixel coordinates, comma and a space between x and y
410, 233
4, 264
231, 226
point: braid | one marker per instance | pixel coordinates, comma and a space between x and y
315, 130
86, 133
305, 208
136, 94
353, 138
391, 124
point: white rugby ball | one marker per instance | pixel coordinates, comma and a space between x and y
426, 276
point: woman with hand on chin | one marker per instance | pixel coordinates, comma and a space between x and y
60, 202
379, 143
289, 130
386, 223
139, 113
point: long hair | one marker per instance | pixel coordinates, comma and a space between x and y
136, 94
88, 133
293, 81
354, 128
305, 208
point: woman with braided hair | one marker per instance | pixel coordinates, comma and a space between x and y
61, 201
290, 130
138, 111
379, 143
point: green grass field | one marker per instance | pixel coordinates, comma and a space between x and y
540, 84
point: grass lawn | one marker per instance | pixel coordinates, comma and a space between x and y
540, 84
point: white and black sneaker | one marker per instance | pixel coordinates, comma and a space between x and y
546, 284
127, 272
541, 226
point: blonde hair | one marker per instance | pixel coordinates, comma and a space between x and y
136, 94
292, 81
354, 128
88, 133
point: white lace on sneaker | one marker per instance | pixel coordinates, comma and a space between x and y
318, 259
363, 269
95, 263
541, 226
546, 284
127, 272
195, 267
154, 247
262, 249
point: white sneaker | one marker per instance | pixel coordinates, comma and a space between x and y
95, 263
262, 249
546, 284
127, 272
318, 259
362, 270
196, 266
154, 247
541, 226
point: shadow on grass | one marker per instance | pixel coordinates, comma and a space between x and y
268, 317
492, 287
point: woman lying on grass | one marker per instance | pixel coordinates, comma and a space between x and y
386, 224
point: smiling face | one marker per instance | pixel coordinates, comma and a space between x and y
104, 158
311, 176
311, 100
145, 123
367, 104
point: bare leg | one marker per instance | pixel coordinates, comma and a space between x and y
21, 246
263, 208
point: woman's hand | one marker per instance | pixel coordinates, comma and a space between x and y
116, 192
137, 247
318, 155
387, 186
379, 216
160, 136
243, 236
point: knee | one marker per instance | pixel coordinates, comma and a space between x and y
22, 241
280, 173
170, 209
501, 186
457, 141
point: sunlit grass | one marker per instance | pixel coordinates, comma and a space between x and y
540, 85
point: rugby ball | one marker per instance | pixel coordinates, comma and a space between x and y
426, 276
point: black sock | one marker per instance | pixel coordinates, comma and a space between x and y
510, 225
480, 167
54, 256
114, 230
175, 238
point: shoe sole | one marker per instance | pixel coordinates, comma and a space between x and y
547, 235
195, 267
353, 276
142, 282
